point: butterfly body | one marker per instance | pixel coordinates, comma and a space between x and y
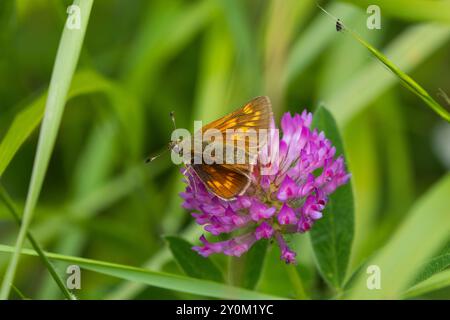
228, 180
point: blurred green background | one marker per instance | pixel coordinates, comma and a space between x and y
142, 59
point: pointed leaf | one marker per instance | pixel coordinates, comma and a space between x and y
246, 270
332, 236
191, 262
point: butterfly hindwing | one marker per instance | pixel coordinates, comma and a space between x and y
225, 181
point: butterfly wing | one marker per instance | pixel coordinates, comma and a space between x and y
225, 181
230, 180
256, 114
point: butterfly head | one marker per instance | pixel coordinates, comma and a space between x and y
176, 147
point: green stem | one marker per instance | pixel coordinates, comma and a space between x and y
4, 196
296, 282
63, 70
235, 269
19, 293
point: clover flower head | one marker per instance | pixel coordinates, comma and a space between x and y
287, 201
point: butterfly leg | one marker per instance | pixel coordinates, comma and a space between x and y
190, 178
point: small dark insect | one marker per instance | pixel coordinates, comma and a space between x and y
339, 25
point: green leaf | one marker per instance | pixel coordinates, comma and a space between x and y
254, 264
158, 279
297, 282
427, 227
435, 265
63, 70
246, 270
191, 262
332, 236
435, 282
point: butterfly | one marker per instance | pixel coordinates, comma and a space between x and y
225, 180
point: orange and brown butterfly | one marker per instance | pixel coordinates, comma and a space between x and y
230, 180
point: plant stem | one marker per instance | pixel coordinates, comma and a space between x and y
296, 282
63, 70
4, 196
19, 293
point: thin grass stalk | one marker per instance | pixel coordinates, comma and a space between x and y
405, 79
4, 196
163, 280
63, 70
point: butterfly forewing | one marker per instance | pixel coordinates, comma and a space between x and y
256, 114
239, 127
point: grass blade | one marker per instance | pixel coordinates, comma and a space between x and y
427, 227
283, 18
10, 205
165, 32
65, 64
214, 74
84, 82
128, 290
245, 44
158, 279
372, 80
405, 79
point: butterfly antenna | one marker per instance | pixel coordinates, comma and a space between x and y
150, 159
172, 116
